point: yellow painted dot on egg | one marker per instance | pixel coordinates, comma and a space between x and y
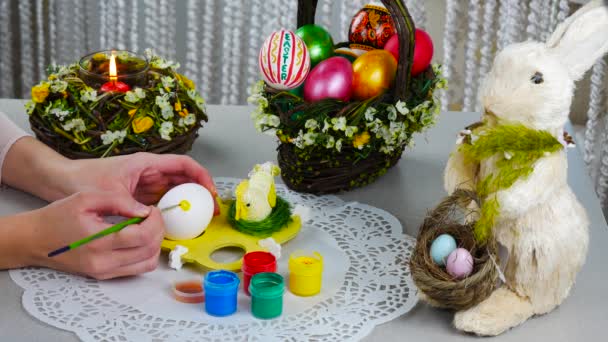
185, 205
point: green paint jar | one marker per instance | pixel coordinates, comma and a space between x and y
267, 291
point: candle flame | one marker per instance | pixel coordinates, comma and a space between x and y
113, 73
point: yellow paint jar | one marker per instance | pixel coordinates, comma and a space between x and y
305, 273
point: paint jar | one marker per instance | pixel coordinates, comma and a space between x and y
257, 262
305, 273
267, 291
189, 291
221, 289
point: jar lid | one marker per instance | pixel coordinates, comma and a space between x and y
189, 291
221, 282
302, 263
259, 261
267, 285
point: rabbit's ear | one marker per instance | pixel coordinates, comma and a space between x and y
582, 38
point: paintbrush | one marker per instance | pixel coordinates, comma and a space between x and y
111, 230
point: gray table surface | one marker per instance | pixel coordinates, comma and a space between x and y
229, 146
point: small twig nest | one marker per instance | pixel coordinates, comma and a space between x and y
436, 286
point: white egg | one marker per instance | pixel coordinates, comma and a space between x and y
186, 221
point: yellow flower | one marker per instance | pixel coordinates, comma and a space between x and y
178, 106
64, 94
132, 112
52, 77
40, 92
183, 113
361, 140
186, 81
142, 124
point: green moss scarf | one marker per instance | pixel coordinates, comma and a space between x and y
519, 147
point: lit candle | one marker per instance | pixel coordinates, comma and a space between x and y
114, 84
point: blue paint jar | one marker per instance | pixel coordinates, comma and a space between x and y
221, 290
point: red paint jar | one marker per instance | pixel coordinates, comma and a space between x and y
257, 262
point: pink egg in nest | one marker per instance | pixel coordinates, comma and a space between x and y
459, 263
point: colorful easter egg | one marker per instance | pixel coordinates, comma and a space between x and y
423, 52
441, 247
347, 53
374, 73
460, 263
392, 46
318, 41
332, 78
371, 28
284, 60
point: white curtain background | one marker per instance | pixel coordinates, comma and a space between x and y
217, 42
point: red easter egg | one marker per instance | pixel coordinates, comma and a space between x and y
371, 28
423, 52
392, 46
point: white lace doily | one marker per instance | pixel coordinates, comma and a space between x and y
374, 287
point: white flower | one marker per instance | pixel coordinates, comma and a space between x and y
108, 137
370, 112
76, 125
326, 126
168, 82
29, 107
339, 145
189, 120
375, 125
339, 123
160, 63
88, 95
200, 102
387, 149
273, 120
165, 107
310, 138
330, 142
311, 124
350, 131
257, 88
59, 113
299, 140
396, 128
135, 95
59, 86
148, 53
392, 113
166, 128
402, 107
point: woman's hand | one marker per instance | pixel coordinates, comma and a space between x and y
30, 236
133, 250
145, 176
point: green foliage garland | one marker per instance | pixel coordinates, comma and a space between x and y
279, 217
518, 148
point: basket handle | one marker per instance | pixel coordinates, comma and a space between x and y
458, 200
405, 29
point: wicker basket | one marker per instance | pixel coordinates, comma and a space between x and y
178, 145
437, 287
320, 170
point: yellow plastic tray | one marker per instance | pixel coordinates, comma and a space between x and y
220, 234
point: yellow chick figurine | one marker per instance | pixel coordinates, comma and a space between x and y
256, 196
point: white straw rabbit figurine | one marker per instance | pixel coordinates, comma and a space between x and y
540, 221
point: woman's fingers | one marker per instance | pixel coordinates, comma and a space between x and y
143, 266
149, 232
110, 203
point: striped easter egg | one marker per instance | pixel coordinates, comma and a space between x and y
284, 60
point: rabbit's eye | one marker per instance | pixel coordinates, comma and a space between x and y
537, 78
249, 204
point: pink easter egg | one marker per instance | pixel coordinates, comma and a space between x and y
284, 60
392, 46
460, 263
332, 78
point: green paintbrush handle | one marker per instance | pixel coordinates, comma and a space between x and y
115, 228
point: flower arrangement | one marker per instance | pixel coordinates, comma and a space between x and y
366, 126
81, 121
